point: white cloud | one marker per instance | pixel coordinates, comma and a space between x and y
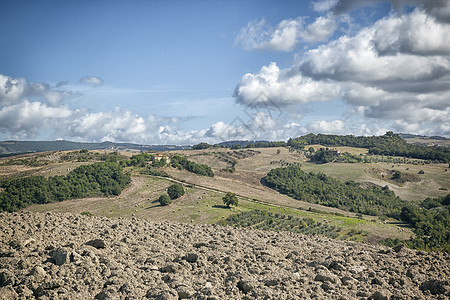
330, 127
16, 90
93, 81
26, 119
257, 35
324, 5
397, 70
11, 89
416, 33
320, 30
282, 87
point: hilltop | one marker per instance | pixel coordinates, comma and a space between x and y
49, 256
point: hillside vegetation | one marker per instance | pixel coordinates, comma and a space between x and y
430, 219
388, 144
85, 181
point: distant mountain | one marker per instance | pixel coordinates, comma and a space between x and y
17, 147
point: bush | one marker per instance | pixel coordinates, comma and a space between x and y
175, 191
164, 200
421, 172
230, 199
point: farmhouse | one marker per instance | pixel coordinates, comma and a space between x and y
158, 157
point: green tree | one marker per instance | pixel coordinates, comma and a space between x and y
164, 200
175, 191
230, 199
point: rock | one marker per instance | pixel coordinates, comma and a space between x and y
8, 293
327, 286
272, 282
6, 278
245, 286
60, 256
346, 280
208, 285
325, 276
185, 292
75, 257
379, 296
191, 257
97, 243
51, 285
436, 287
38, 273
170, 268
357, 269
160, 294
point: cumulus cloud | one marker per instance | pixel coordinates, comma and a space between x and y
11, 89
437, 8
396, 70
330, 127
320, 30
281, 87
93, 81
258, 35
16, 90
26, 119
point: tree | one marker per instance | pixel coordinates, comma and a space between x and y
164, 200
201, 146
278, 151
230, 199
175, 191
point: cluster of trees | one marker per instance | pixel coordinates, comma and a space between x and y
388, 144
230, 199
430, 221
266, 144
321, 189
178, 161
173, 192
325, 155
201, 146
262, 219
105, 178
139, 160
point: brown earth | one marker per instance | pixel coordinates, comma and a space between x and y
65, 256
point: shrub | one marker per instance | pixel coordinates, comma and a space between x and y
175, 191
421, 172
164, 200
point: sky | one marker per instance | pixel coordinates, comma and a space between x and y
184, 72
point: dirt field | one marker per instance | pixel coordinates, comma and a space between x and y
66, 256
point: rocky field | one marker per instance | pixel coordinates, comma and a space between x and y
63, 256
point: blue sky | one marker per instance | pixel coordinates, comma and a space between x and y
182, 72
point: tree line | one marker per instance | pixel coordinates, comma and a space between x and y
106, 178
181, 162
387, 144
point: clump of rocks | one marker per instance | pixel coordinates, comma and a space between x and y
64, 256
